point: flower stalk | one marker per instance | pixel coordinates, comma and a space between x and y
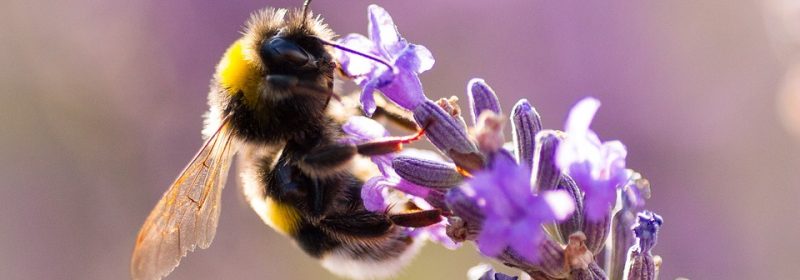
542, 204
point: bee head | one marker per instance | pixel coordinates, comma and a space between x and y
279, 71
279, 56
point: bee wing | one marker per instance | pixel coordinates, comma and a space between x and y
186, 216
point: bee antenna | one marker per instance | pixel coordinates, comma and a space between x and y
365, 55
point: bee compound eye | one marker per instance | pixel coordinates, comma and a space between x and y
280, 50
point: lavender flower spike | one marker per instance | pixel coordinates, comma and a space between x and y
482, 98
402, 86
513, 215
597, 167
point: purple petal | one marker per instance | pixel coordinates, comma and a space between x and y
415, 58
560, 202
373, 193
513, 180
411, 188
525, 237
581, 115
598, 200
438, 234
364, 129
404, 89
367, 98
356, 65
487, 185
383, 31
613, 154
493, 237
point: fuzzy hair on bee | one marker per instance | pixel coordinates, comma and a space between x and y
270, 102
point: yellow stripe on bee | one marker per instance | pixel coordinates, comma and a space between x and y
237, 74
282, 217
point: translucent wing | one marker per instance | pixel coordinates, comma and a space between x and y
186, 216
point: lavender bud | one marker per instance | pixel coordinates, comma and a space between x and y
426, 172
547, 172
597, 232
574, 222
525, 123
448, 135
642, 265
482, 98
646, 229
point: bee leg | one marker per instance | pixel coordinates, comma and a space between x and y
328, 157
333, 156
422, 218
387, 145
360, 223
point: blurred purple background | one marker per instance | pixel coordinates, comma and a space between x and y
101, 101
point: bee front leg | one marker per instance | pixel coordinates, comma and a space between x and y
333, 157
387, 145
328, 159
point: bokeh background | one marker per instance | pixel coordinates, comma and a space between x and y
100, 105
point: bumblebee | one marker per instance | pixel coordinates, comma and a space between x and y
270, 103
